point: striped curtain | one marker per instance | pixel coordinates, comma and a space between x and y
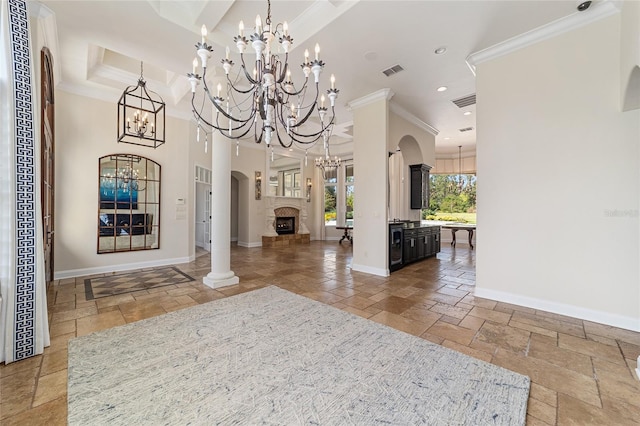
23, 317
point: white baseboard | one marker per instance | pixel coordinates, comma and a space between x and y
370, 270
249, 245
615, 320
234, 239
72, 273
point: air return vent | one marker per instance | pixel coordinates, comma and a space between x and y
466, 129
393, 70
465, 101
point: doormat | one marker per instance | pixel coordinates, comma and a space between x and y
130, 282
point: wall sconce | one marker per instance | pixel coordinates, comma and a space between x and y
258, 185
308, 190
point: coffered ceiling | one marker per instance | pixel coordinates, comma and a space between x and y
98, 46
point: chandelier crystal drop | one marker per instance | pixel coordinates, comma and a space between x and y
262, 97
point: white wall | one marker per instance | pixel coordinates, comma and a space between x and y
417, 146
559, 227
370, 157
86, 130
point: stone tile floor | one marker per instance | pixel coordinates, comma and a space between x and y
582, 372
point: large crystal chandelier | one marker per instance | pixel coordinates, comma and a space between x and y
264, 99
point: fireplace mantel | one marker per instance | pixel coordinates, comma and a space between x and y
273, 203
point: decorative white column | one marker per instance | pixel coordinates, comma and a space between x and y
221, 274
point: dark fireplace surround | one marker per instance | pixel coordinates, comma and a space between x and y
286, 225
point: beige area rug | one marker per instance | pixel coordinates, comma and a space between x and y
273, 357
130, 282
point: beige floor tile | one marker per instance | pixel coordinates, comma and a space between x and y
533, 328
28, 364
472, 323
467, 350
479, 302
422, 315
114, 300
356, 311
541, 411
549, 324
99, 322
63, 327
51, 387
451, 311
358, 302
53, 361
452, 332
543, 394
561, 357
574, 412
591, 348
619, 408
628, 336
487, 314
74, 314
48, 414
625, 390
394, 304
59, 343
503, 336
400, 323
550, 376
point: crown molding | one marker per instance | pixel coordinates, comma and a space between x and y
382, 94
46, 20
571, 22
398, 110
107, 96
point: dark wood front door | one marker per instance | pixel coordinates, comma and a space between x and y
47, 136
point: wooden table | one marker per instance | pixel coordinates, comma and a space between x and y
346, 235
460, 226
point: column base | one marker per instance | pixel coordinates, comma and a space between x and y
216, 280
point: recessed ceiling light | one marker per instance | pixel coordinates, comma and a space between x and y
442, 88
440, 50
447, 138
467, 113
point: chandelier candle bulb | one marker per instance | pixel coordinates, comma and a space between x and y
273, 103
195, 64
258, 25
333, 81
203, 31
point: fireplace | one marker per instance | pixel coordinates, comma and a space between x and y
286, 225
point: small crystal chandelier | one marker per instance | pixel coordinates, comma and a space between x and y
264, 99
141, 116
327, 163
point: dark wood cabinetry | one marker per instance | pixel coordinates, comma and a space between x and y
419, 243
419, 174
